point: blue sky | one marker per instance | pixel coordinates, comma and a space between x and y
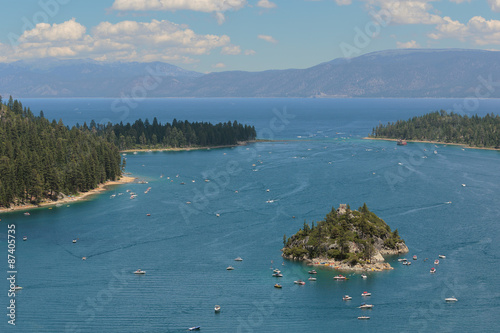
217, 35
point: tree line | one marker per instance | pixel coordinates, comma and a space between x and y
178, 134
40, 159
441, 126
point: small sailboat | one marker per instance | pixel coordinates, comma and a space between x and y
217, 308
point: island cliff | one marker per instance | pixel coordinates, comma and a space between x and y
347, 240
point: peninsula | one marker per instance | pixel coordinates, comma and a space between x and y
444, 127
346, 240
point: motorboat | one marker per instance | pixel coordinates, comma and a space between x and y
238, 259
25, 238
346, 298
276, 271
366, 306
313, 272
442, 256
230, 268
312, 279
195, 328
74, 240
407, 263
139, 271
27, 214
436, 262
363, 317
84, 258
217, 308
277, 285
363, 276
299, 282
18, 288
414, 257
365, 293
433, 270
148, 214
451, 299
277, 275
339, 277
402, 259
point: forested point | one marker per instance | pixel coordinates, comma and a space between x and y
445, 127
178, 134
40, 159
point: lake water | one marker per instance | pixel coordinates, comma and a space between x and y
322, 161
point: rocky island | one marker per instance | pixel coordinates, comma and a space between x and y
346, 240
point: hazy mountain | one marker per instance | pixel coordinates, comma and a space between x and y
393, 73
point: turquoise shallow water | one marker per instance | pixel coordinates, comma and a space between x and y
185, 248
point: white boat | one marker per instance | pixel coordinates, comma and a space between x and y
363, 317
277, 275
346, 298
433, 270
139, 271
217, 308
230, 268
238, 259
299, 282
25, 238
402, 259
18, 288
451, 299
339, 277
194, 328
442, 256
218, 215
312, 279
74, 240
84, 258
415, 257
313, 272
363, 276
276, 270
366, 306
27, 214
436, 262
365, 293
408, 263
464, 185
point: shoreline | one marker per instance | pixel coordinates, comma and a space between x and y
239, 144
81, 196
463, 145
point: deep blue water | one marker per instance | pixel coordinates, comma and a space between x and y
185, 248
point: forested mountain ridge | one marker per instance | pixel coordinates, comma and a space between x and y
40, 159
474, 131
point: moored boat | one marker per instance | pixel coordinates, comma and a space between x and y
364, 276
139, 271
194, 328
74, 240
313, 272
339, 277
415, 257
230, 268
451, 299
346, 298
366, 306
238, 259
365, 293
433, 270
299, 282
277, 285
277, 275
436, 262
442, 256
25, 238
217, 308
312, 279
363, 317
401, 142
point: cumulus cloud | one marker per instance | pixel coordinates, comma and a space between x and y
231, 50
206, 6
478, 30
249, 52
126, 41
219, 65
266, 4
408, 45
495, 5
267, 38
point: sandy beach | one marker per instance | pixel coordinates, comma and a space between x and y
433, 142
241, 143
71, 199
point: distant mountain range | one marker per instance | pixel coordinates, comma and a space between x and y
392, 73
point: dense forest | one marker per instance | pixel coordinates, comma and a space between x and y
345, 235
40, 159
178, 134
445, 127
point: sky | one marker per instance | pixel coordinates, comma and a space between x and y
250, 35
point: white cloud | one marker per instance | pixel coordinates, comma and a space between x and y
408, 12
267, 38
249, 52
478, 30
495, 5
219, 65
69, 30
206, 6
408, 45
231, 50
125, 41
343, 2
266, 4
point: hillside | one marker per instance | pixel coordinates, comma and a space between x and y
394, 73
346, 238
